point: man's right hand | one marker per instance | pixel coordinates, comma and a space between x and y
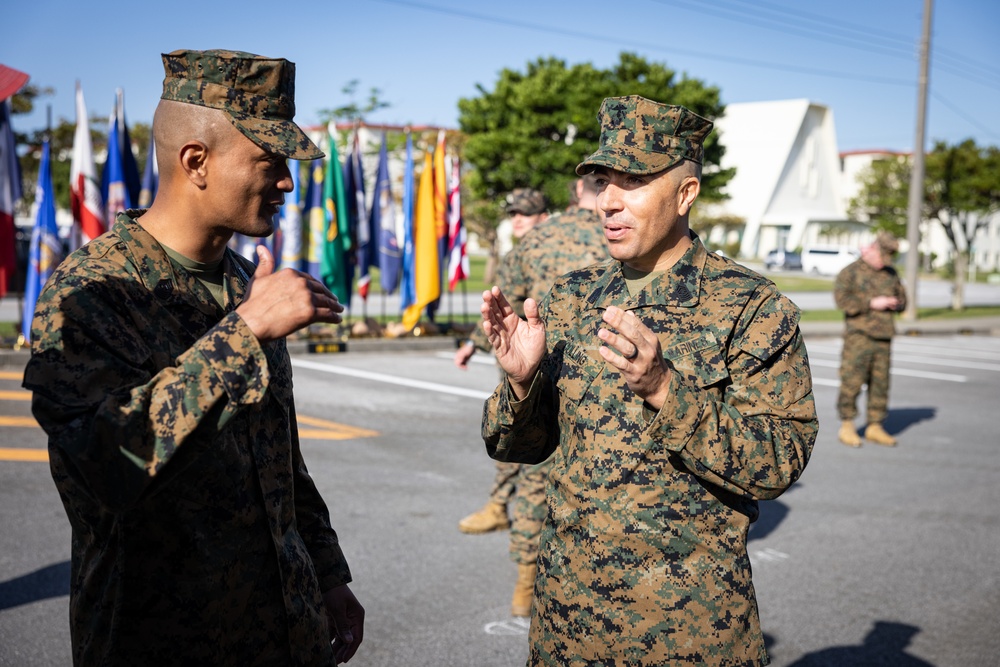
281, 303
519, 344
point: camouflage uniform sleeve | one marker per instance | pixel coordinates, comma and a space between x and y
511, 279
313, 519
94, 395
525, 431
899, 291
848, 295
757, 439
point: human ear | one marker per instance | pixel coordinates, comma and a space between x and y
686, 194
193, 161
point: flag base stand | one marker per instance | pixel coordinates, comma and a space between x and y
326, 347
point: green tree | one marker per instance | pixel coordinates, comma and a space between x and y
535, 126
883, 197
962, 192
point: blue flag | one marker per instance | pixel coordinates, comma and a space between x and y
46, 250
150, 177
116, 196
120, 183
408, 289
291, 223
315, 215
383, 223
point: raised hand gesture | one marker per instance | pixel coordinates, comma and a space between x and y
519, 345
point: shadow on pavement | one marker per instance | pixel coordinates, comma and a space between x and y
884, 646
901, 419
51, 581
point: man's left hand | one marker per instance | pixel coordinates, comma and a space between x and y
346, 619
636, 354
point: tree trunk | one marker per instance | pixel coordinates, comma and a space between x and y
958, 287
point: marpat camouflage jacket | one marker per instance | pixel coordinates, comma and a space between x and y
199, 537
643, 556
856, 285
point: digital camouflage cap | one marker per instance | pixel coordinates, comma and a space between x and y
257, 94
888, 245
526, 201
640, 136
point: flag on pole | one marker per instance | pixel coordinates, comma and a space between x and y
336, 267
367, 235
46, 249
291, 223
427, 272
116, 197
440, 214
384, 223
150, 177
10, 192
315, 216
458, 259
127, 171
84, 192
407, 288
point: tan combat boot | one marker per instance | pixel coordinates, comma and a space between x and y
524, 590
490, 518
877, 434
848, 434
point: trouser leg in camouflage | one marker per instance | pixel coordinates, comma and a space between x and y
528, 513
863, 361
504, 482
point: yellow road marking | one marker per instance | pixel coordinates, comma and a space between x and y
15, 395
327, 430
11, 375
18, 421
23, 455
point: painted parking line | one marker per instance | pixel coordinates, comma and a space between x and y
391, 379
327, 430
12, 454
18, 422
11, 375
15, 395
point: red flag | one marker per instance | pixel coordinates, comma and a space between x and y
10, 192
458, 259
84, 191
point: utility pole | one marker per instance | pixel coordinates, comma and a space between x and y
916, 203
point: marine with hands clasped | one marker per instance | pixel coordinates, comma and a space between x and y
160, 374
673, 387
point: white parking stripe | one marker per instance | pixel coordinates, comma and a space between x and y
947, 377
391, 379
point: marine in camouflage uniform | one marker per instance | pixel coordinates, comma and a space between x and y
199, 537
869, 292
654, 484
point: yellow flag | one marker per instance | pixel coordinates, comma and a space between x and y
440, 191
425, 241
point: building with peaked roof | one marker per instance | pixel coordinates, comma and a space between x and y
787, 187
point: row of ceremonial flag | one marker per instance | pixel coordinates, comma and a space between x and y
326, 227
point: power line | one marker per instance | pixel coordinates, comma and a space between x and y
992, 132
626, 43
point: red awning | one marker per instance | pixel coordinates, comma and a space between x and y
11, 81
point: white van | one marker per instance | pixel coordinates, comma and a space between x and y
827, 260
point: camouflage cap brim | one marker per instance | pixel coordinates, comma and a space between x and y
629, 162
281, 137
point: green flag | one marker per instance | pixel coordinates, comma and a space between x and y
335, 264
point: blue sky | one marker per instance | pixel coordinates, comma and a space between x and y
857, 57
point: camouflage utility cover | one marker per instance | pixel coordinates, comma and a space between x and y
257, 94
198, 536
640, 136
856, 285
643, 557
526, 201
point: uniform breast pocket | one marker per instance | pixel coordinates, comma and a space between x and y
574, 370
700, 360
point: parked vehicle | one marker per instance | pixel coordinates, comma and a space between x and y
784, 260
827, 260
